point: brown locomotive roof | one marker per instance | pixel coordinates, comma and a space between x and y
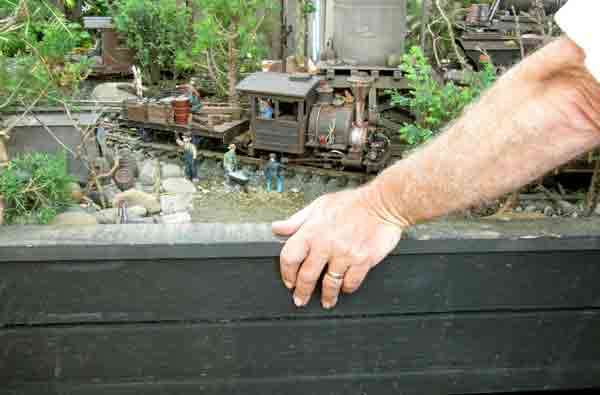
277, 84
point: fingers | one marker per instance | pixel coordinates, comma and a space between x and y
294, 252
332, 284
292, 224
309, 275
354, 278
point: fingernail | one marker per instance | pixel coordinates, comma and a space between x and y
298, 301
288, 284
329, 305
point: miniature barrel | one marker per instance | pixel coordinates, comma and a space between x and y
124, 179
125, 176
181, 108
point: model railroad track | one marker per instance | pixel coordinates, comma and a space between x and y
125, 137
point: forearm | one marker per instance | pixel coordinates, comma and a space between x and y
538, 116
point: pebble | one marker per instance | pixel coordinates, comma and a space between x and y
171, 170
567, 207
109, 215
531, 209
174, 203
73, 219
548, 211
149, 172
178, 185
76, 192
138, 198
178, 218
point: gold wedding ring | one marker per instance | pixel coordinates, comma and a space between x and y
335, 276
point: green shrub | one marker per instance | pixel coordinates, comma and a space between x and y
432, 103
158, 31
36, 187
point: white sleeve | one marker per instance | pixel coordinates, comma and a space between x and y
579, 20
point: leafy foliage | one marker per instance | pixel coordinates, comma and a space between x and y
158, 31
309, 7
228, 39
36, 187
36, 44
432, 103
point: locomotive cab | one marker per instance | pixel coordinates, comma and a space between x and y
282, 126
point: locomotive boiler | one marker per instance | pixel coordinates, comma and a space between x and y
309, 125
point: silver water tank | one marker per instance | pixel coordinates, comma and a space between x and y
369, 31
550, 6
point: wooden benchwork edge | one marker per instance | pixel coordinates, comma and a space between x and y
106, 242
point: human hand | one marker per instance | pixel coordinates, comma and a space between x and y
345, 232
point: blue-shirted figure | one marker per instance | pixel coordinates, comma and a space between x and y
274, 169
265, 109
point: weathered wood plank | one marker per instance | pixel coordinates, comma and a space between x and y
457, 308
443, 381
241, 288
199, 241
453, 347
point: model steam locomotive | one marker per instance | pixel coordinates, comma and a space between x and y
311, 126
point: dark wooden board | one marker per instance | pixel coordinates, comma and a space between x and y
241, 288
456, 309
386, 347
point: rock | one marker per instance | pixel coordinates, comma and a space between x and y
566, 207
548, 211
531, 209
295, 190
134, 197
170, 170
149, 172
575, 215
178, 185
110, 91
76, 192
74, 219
109, 215
175, 203
178, 218
110, 192
137, 211
137, 220
519, 209
597, 211
75, 209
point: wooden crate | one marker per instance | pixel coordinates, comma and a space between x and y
137, 111
160, 113
221, 109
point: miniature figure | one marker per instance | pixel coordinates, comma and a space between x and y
230, 161
192, 94
190, 155
274, 169
265, 109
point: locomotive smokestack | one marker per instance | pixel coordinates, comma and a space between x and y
361, 84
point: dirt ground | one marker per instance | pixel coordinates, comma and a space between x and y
216, 203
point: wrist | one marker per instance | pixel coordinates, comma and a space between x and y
375, 198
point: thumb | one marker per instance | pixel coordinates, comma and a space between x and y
292, 224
